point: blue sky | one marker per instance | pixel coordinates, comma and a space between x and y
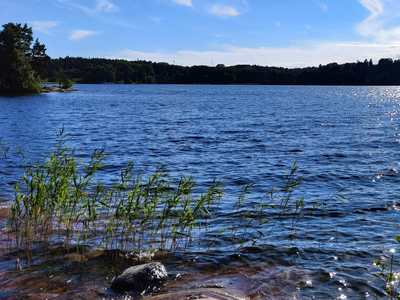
283, 33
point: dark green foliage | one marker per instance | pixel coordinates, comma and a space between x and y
63, 80
97, 70
22, 65
39, 59
66, 83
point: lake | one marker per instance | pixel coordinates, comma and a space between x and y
342, 138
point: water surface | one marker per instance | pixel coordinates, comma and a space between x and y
342, 137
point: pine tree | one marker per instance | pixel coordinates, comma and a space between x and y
21, 66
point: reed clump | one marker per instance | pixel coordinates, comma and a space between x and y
389, 275
60, 204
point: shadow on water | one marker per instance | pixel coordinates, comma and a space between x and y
250, 273
89, 277
60, 275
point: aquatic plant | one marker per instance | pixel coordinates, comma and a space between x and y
50, 201
391, 278
279, 210
4, 149
61, 206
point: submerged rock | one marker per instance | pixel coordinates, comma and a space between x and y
203, 294
139, 278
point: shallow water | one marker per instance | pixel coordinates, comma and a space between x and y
343, 137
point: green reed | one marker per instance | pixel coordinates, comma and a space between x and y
50, 201
60, 204
4, 149
279, 210
389, 275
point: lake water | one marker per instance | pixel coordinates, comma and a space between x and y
342, 137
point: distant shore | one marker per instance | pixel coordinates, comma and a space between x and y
54, 89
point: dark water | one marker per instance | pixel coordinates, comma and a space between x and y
343, 137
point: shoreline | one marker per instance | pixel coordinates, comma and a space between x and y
54, 89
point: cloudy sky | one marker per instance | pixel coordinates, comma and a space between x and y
283, 33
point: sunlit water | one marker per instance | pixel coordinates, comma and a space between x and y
343, 137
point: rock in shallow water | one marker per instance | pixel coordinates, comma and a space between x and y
139, 278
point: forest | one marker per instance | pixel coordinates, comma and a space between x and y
99, 70
25, 66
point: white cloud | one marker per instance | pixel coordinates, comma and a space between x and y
311, 54
43, 26
374, 6
104, 5
223, 11
382, 12
101, 6
184, 2
80, 34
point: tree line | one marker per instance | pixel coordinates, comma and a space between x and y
24, 66
99, 70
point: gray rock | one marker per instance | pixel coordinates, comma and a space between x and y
139, 278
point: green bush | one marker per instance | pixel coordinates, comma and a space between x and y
67, 83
